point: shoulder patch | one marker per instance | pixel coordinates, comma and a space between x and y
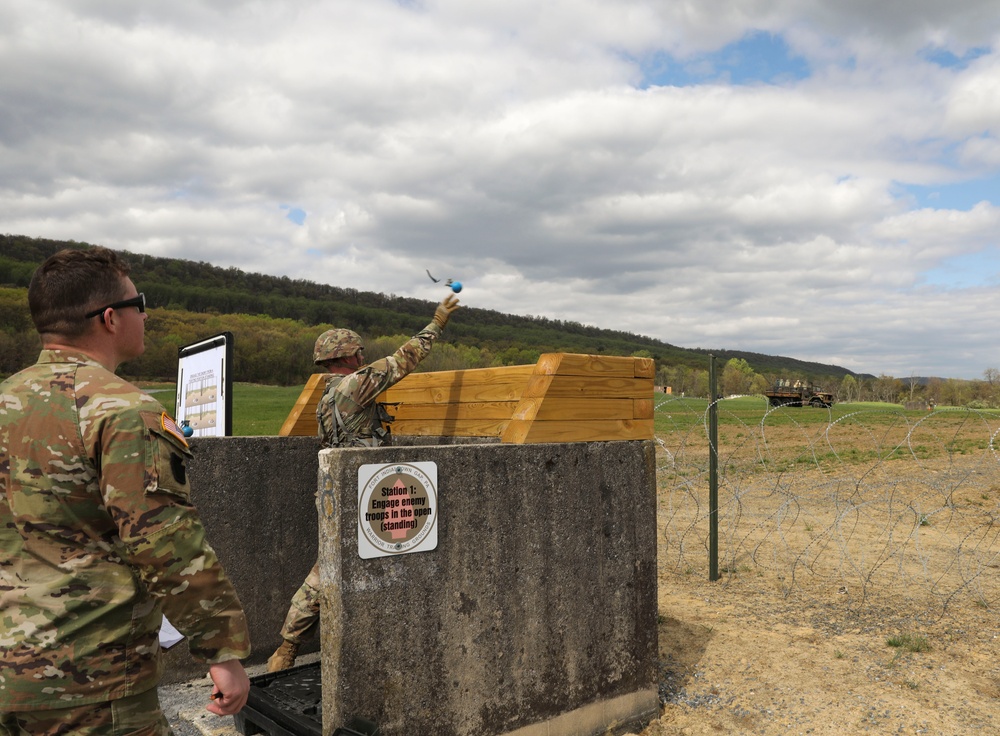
167, 424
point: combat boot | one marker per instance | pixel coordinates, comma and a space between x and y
283, 657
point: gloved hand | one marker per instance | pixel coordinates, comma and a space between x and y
448, 305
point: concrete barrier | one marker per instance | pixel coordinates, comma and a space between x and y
257, 499
534, 615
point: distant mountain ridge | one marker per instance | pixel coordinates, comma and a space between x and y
201, 287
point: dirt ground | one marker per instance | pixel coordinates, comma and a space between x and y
743, 655
742, 660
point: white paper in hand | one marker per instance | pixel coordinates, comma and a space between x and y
168, 634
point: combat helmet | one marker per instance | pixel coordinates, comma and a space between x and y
339, 343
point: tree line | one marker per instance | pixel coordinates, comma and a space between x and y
267, 350
275, 320
738, 377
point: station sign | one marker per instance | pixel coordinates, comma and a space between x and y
397, 509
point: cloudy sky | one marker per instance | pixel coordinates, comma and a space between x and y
805, 178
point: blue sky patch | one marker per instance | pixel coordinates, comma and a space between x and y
295, 214
967, 270
757, 58
963, 195
946, 59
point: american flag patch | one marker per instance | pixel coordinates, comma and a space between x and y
169, 425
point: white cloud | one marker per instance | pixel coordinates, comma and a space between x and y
973, 103
506, 144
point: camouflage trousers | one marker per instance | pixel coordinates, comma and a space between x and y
136, 715
302, 619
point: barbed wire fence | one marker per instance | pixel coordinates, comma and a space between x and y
886, 507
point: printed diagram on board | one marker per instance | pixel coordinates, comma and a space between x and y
201, 393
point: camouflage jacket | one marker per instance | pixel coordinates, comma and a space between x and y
98, 539
351, 398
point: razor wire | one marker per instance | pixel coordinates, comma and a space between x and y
869, 503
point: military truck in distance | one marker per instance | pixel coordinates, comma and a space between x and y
797, 393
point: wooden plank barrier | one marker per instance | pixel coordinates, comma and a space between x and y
564, 397
301, 421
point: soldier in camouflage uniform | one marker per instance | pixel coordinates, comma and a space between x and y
98, 536
349, 416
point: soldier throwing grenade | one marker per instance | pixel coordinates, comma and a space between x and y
349, 416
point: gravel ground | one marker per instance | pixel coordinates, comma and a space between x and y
184, 704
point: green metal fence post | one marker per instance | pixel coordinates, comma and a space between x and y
713, 473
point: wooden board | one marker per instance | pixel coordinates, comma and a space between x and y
565, 397
450, 427
531, 409
575, 364
519, 432
301, 421
443, 412
415, 392
592, 387
471, 376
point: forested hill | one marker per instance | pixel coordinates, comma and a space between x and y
198, 288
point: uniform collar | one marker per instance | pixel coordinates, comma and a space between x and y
67, 356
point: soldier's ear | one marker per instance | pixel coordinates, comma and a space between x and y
108, 321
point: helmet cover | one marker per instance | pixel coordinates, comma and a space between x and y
338, 343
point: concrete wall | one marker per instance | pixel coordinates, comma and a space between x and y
257, 499
536, 613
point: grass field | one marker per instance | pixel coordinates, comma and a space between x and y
261, 410
874, 430
682, 413
258, 411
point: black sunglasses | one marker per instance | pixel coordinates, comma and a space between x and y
139, 302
